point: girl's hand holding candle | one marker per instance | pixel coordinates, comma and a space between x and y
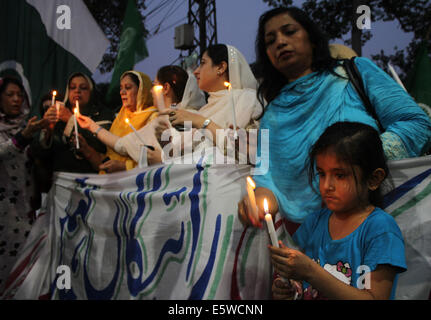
270, 225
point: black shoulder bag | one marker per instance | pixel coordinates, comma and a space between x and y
356, 80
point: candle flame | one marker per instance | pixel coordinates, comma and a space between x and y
75, 110
158, 87
54, 93
127, 120
265, 205
251, 182
227, 84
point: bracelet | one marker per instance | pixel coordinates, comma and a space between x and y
97, 131
206, 123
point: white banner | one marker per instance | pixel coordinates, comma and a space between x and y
172, 232
168, 232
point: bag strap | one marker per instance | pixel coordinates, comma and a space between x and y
357, 82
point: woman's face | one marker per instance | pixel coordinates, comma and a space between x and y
129, 93
288, 46
208, 74
11, 100
79, 90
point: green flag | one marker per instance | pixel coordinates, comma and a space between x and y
43, 42
132, 48
418, 83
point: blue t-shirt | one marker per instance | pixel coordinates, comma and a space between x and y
378, 240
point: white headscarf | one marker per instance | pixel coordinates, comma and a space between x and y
240, 74
218, 108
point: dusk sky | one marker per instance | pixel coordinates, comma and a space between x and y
236, 25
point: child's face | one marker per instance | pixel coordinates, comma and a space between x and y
337, 184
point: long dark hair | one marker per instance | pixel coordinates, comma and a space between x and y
272, 80
355, 144
176, 77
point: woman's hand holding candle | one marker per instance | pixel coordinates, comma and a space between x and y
87, 123
244, 209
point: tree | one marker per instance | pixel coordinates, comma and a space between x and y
336, 18
110, 15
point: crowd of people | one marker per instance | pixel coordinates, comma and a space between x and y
327, 157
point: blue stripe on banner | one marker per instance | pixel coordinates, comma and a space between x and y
402, 189
108, 292
201, 285
194, 212
168, 196
171, 245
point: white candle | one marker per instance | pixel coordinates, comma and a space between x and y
77, 106
143, 161
76, 127
270, 225
134, 130
395, 76
57, 107
54, 93
229, 87
159, 96
252, 198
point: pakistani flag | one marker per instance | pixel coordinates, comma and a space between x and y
132, 48
419, 79
44, 41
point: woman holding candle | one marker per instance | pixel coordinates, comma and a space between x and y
178, 90
221, 64
307, 90
16, 190
137, 109
58, 145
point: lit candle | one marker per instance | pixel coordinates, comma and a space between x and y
159, 96
136, 132
229, 87
77, 106
54, 93
270, 225
76, 127
252, 198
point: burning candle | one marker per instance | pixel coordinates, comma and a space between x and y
77, 106
134, 130
76, 126
159, 96
229, 87
54, 93
252, 198
270, 225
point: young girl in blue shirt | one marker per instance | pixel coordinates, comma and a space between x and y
351, 249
